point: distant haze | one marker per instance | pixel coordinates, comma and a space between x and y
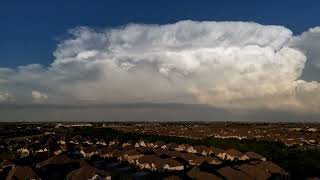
145, 112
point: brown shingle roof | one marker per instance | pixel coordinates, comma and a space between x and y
271, 167
172, 145
232, 174
254, 172
22, 172
56, 160
216, 150
172, 178
149, 159
233, 152
253, 155
171, 162
196, 173
86, 172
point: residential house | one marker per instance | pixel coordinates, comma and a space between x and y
172, 165
140, 143
254, 172
23, 152
22, 172
130, 155
150, 162
88, 172
254, 156
57, 167
272, 168
232, 174
89, 152
203, 150
196, 173
172, 145
160, 144
232, 154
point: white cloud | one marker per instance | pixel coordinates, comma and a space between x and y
38, 96
224, 64
6, 97
309, 43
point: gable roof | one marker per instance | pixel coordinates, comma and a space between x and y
232, 174
149, 159
172, 178
86, 172
253, 155
172, 145
272, 167
215, 150
254, 172
172, 162
159, 143
56, 160
196, 173
22, 172
233, 152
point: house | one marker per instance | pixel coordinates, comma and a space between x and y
23, 152
126, 144
140, 143
106, 153
196, 173
232, 174
172, 178
56, 160
172, 165
191, 158
160, 144
101, 142
172, 145
130, 155
254, 156
111, 143
22, 172
212, 160
215, 151
272, 168
88, 172
145, 150
203, 150
118, 153
88, 152
254, 172
160, 152
57, 152
41, 150
174, 154
190, 149
150, 144
231, 155
57, 167
150, 162
180, 147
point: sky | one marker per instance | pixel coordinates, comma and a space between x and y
164, 60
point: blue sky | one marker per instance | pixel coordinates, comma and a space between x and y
30, 30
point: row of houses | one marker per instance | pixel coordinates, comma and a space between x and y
190, 160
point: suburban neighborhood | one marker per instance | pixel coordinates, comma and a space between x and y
96, 151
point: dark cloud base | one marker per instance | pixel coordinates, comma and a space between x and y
144, 112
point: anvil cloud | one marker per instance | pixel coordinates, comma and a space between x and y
231, 65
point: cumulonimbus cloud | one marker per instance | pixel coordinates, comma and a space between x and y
224, 64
